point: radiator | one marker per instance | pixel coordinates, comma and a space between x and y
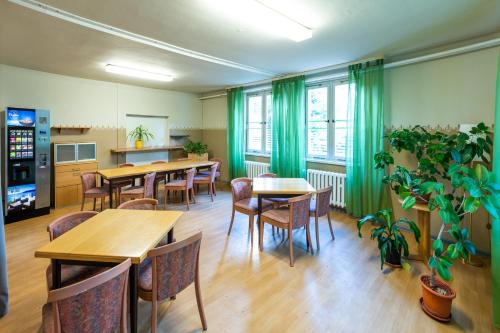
317, 178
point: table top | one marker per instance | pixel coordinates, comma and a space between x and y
281, 186
148, 168
112, 236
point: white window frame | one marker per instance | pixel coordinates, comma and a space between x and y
330, 158
262, 152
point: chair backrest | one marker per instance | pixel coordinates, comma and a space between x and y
88, 180
299, 210
97, 304
140, 204
158, 162
216, 159
67, 222
190, 177
126, 165
174, 266
213, 171
267, 175
323, 200
241, 188
149, 184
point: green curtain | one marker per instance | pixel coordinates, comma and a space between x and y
364, 190
236, 133
495, 226
288, 154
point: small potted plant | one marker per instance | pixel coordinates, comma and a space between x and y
196, 151
391, 241
139, 134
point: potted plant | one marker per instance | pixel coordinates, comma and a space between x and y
449, 185
391, 241
139, 134
196, 151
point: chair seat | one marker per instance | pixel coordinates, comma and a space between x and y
207, 173
312, 207
252, 204
133, 190
145, 281
176, 183
279, 215
71, 274
98, 191
202, 178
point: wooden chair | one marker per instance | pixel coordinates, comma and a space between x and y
120, 185
70, 273
160, 177
172, 268
321, 207
241, 189
138, 192
217, 174
208, 180
295, 216
90, 190
97, 304
185, 185
278, 202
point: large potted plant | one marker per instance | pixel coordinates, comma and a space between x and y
196, 151
391, 241
449, 184
139, 134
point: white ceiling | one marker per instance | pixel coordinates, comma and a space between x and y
343, 31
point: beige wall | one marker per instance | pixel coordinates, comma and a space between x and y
101, 105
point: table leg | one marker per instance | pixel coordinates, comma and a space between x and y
110, 193
259, 211
133, 276
56, 274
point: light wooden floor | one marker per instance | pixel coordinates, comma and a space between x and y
339, 289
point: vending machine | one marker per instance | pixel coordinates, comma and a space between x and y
26, 167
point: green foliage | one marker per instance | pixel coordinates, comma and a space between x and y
140, 133
388, 232
195, 148
446, 182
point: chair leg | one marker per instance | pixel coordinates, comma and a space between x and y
251, 222
94, 203
317, 231
102, 204
83, 203
330, 225
154, 316
290, 246
213, 189
210, 191
165, 199
199, 301
193, 196
187, 198
308, 235
261, 234
231, 224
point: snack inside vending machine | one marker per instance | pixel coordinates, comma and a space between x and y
26, 165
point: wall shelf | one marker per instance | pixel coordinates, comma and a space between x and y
82, 129
145, 149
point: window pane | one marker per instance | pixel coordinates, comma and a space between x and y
254, 136
317, 104
269, 114
340, 139
341, 96
317, 135
255, 109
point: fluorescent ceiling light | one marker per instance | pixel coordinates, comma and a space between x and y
138, 73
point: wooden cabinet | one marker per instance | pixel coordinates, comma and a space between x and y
68, 187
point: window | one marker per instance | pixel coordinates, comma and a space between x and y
327, 120
259, 113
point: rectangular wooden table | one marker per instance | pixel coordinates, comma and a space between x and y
120, 174
108, 239
279, 188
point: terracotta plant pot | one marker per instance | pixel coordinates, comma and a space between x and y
434, 303
138, 144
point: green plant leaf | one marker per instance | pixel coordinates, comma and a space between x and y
408, 203
438, 247
489, 205
445, 215
442, 201
481, 172
471, 204
444, 272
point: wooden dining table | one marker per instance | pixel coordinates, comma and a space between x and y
279, 188
108, 239
114, 175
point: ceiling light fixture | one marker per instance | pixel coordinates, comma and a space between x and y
138, 73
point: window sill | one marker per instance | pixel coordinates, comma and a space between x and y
257, 154
330, 162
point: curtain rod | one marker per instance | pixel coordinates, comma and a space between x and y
428, 57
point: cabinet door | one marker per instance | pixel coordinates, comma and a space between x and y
64, 152
86, 151
68, 195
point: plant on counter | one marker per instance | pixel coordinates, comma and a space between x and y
391, 241
447, 183
195, 148
139, 134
